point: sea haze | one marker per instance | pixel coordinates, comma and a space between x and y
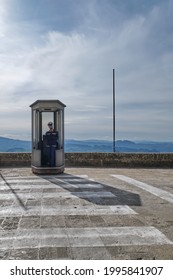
71, 145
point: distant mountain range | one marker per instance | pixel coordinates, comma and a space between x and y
120, 146
13, 145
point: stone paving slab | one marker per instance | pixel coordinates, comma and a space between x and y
86, 213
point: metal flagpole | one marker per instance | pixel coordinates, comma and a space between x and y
114, 110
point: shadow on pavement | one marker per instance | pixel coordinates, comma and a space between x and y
93, 191
15, 193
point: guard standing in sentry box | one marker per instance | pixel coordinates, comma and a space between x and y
47, 145
50, 141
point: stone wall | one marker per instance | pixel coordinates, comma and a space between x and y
128, 160
15, 159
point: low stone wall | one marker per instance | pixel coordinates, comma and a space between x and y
128, 160
15, 159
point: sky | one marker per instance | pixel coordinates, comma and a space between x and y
67, 50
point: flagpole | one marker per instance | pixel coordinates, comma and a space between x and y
114, 110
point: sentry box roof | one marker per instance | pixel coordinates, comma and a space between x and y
47, 105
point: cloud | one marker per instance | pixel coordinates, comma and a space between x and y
39, 61
2, 17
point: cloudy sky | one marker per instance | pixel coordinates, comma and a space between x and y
66, 50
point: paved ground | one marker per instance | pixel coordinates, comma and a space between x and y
86, 213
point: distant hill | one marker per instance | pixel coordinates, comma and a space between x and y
13, 145
120, 146
71, 145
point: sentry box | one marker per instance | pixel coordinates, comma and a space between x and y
47, 136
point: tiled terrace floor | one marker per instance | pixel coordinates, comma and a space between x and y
86, 213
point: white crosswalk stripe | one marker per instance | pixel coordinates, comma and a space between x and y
67, 210
36, 195
153, 190
80, 237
